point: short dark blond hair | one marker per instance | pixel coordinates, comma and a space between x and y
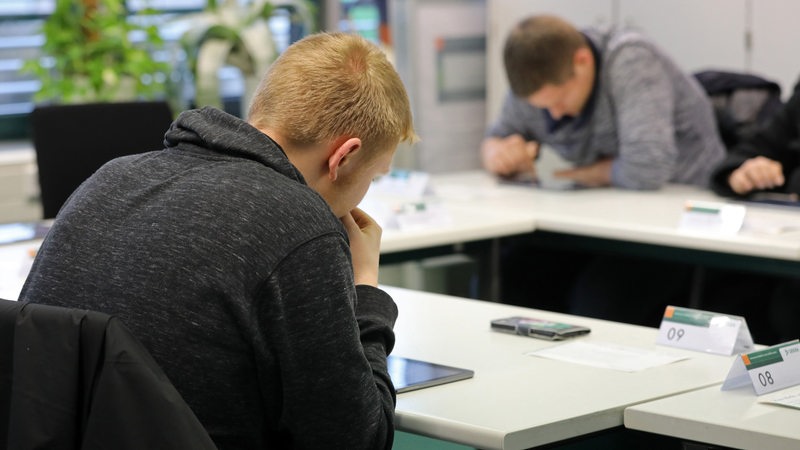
329, 85
539, 51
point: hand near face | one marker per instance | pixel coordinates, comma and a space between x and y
597, 174
510, 155
365, 239
756, 174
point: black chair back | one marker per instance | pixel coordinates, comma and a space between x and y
73, 141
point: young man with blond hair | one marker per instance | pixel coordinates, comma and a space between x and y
237, 254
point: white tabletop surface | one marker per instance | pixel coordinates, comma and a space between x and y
475, 209
649, 217
480, 207
516, 400
467, 223
733, 418
15, 263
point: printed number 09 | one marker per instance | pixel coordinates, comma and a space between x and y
675, 333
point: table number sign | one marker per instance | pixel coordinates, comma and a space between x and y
704, 331
767, 370
712, 218
421, 215
405, 183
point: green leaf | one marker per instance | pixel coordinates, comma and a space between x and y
94, 48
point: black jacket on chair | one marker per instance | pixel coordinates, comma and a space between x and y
778, 140
76, 379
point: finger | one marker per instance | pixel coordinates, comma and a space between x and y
532, 150
367, 223
762, 177
527, 166
511, 162
497, 162
503, 164
361, 218
774, 172
762, 172
571, 174
754, 176
739, 182
349, 222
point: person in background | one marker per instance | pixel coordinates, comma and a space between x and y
617, 107
767, 162
609, 101
237, 254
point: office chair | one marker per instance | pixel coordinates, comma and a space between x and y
77, 379
742, 102
72, 141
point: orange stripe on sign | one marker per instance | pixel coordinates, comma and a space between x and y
746, 360
669, 312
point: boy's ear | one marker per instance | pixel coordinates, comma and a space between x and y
341, 153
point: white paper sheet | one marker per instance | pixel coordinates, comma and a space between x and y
607, 356
789, 397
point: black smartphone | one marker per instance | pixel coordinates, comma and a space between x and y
538, 328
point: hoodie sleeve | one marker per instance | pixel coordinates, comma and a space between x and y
645, 106
331, 339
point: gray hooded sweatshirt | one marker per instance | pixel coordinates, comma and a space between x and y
237, 277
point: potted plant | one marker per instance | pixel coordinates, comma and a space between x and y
233, 33
88, 55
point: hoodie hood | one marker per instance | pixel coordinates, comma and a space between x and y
211, 130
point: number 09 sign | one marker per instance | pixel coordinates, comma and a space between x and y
704, 331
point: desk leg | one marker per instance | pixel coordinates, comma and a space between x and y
698, 282
487, 255
494, 280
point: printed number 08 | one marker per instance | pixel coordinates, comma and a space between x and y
765, 378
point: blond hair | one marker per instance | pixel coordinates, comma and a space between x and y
539, 51
329, 85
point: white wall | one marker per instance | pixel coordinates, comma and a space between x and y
19, 186
755, 36
450, 126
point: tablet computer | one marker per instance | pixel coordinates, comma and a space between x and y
412, 374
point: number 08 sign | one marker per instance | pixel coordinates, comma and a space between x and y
704, 331
767, 370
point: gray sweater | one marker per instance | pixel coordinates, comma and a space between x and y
655, 120
237, 277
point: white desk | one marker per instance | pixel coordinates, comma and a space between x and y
648, 217
729, 418
468, 223
482, 208
15, 263
474, 206
518, 401
17, 257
